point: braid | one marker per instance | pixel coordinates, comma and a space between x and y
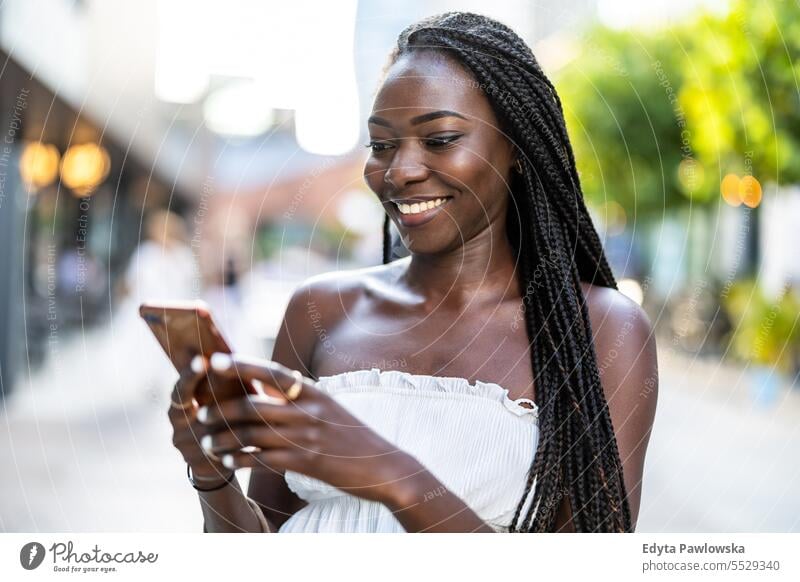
577, 452
387, 240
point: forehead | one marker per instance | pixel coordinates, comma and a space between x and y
423, 81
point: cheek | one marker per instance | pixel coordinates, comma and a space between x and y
473, 173
374, 171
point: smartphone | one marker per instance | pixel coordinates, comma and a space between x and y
185, 329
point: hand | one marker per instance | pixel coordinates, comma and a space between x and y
187, 431
313, 435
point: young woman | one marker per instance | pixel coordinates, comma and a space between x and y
493, 380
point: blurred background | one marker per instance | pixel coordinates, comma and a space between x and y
214, 150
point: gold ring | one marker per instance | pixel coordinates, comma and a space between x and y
294, 391
181, 406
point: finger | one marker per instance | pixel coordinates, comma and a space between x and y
265, 371
193, 453
190, 434
189, 439
273, 459
183, 393
187, 432
260, 437
250, 409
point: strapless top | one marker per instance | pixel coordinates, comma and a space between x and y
475, 439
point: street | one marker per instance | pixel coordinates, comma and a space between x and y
79, 457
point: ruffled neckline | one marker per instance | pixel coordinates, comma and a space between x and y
375, 378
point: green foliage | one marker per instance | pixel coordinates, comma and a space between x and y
765, 331
621, 105
742, 90
720, 93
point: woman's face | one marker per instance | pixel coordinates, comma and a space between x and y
434, 135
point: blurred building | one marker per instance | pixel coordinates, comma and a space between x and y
72, 201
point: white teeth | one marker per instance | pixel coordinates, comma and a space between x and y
418, 207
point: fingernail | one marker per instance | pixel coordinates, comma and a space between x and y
197, 364
227, 460
206, 442
259, 386
220, 362
202, 414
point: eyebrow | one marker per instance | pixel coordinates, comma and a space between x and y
425, 117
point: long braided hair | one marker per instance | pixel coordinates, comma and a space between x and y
556, 247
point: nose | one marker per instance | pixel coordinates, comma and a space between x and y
406, 167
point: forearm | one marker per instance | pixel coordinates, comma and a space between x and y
421, 503
229, 510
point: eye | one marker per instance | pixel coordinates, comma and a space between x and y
442, 141
378, 146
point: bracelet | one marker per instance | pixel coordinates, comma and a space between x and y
227, 480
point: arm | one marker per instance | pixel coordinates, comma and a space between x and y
228, 510
225, 509
421, 503
564, 517
629, 375
269, 501
627, 362
293, 348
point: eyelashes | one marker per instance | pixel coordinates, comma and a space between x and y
439, 142
436, 143
378, 146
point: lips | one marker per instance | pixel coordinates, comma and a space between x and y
413, 199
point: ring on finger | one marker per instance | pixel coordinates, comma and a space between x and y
181, 405
295, 389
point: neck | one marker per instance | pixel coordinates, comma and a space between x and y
482, 267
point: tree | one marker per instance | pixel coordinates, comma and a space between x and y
658, 118
621, 101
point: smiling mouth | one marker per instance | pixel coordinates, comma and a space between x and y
413, 208
418, 213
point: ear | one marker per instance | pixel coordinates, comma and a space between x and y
516, 162
512, 155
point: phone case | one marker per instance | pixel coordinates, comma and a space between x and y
185, 329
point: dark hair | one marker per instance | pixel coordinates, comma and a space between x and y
557, 247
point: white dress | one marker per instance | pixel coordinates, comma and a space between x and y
474, 439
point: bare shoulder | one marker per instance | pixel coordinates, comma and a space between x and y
623, 337
627, 361
320, 303
611, 312
342, 288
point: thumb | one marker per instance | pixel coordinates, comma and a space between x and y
276, 379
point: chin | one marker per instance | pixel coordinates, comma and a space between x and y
420, 243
